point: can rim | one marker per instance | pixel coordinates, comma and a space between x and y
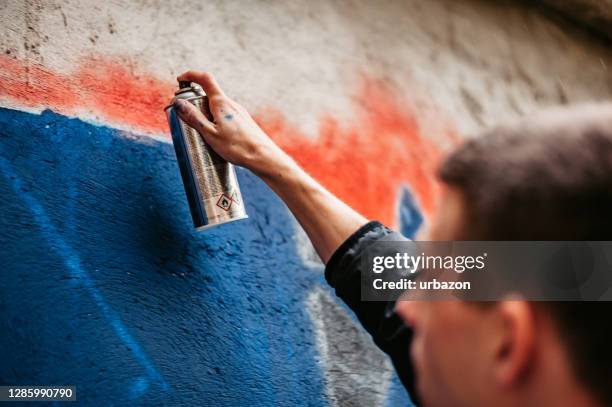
186, 99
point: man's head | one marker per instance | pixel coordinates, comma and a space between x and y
548, 177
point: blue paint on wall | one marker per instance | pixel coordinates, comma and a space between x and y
74, 265
410, 215
106, 286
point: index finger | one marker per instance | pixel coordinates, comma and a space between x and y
204, 79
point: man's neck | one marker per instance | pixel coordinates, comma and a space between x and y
553, 381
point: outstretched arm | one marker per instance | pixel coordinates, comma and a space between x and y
235, 136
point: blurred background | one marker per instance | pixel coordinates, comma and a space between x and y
104, 283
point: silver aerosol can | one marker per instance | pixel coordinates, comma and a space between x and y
210, 181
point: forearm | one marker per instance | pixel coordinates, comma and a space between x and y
326, 219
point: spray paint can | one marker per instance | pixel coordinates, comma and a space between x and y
210, 181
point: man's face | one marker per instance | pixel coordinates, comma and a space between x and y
449, 336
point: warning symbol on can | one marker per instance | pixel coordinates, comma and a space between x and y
224, 202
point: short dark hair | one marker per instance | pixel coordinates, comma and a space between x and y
547, 177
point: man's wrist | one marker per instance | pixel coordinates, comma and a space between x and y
273, 163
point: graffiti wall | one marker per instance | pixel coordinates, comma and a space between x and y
105, 285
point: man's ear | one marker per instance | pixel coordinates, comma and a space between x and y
515, 348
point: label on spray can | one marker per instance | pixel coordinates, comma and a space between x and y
210, 181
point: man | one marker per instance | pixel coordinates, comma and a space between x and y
545, 178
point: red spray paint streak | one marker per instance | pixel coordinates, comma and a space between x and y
363, 162
102, 86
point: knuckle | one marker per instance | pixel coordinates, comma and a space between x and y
191, 117
219, 100
201, 127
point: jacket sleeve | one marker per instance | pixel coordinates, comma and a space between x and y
343, 273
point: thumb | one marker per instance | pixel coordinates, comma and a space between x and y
195, 118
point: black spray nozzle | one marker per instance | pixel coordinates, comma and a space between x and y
184, 84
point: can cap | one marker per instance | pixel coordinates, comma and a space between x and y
184, 84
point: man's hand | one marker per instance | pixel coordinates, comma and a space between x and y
232, 133
235, 136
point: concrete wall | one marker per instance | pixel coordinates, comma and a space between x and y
106, 286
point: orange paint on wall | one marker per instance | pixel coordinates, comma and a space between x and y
364, 161
102, 86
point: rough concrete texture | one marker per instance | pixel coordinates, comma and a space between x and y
107, 286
